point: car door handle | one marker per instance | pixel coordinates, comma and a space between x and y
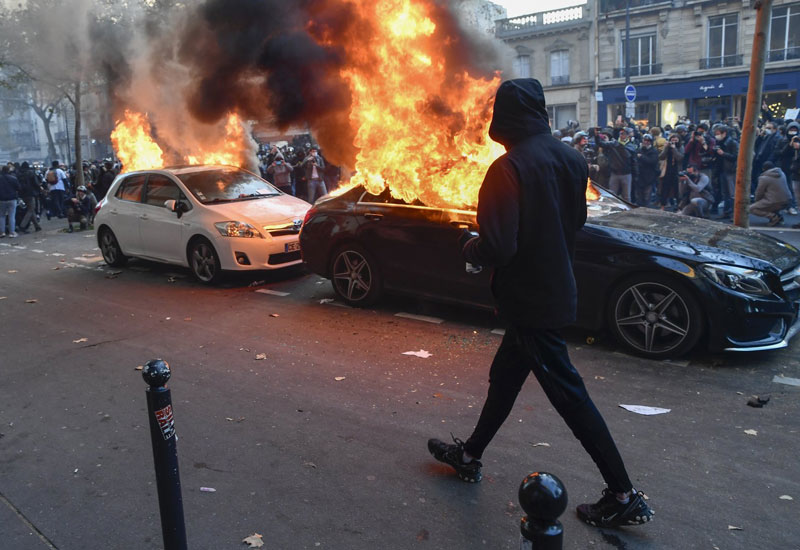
462, 225
144, 217
373, 216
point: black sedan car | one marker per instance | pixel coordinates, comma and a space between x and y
660, 282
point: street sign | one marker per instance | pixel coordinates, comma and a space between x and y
630, 109
630, 93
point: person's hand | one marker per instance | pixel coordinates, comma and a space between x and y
464, 237
720, 152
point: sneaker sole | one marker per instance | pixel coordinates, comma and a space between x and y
461, 476
636, 520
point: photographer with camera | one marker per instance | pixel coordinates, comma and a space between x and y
647, 184
784, 156
694, 193
671, 161
772, 195
794, 168
726, 152
617, 158
281, 172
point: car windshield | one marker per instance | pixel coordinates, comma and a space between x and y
226, 185
602, 202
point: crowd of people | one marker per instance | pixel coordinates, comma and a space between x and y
299, 170
30, 191
691, 168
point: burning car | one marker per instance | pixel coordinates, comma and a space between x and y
658, 281
208, 218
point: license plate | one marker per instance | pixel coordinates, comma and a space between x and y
292, 246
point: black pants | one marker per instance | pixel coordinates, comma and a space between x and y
544, 353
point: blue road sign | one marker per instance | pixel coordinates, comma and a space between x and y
630, 92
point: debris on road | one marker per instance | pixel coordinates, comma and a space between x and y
642, 409
112, 275
786, 380
310, 465
80, 340
260, 356
3, 297
139, 367
254, 541
229, 419
751, 432
540, 444
31, 301
256, 283
171, 279
785, 497
734, 528
326, 301
421, 353
208, 490
757, 401
338, 378
274, 315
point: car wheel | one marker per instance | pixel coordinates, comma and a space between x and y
355, 276
109, 248
655, 316
204, 261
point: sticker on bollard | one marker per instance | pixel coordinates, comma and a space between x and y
166, 421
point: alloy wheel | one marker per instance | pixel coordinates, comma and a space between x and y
652, 317
352, 275
204, 262
108, 246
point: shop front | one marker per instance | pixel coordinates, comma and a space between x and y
714, 100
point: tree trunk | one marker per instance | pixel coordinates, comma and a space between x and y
741, 213
78, 154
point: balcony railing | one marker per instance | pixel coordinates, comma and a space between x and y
559, 80
615, 5
639, 70
723, 61
784, 55
538, 21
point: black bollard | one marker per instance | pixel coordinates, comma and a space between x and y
543, 497
165, 454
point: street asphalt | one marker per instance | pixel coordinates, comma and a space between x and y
322, 443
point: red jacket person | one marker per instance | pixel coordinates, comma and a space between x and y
531, 204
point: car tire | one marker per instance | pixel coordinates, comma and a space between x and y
355, 276
110, 249
204, 261
655, 316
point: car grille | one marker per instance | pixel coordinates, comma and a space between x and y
791, 279
283, 230
284, 257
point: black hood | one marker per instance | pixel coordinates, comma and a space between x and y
519, 112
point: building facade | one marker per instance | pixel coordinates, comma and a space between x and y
687, 58
555, 47
692, 58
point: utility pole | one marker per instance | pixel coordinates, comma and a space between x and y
741, 214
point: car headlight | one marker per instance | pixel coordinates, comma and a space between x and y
237, 229
748, 281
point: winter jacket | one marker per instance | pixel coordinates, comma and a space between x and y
281, 171
784, 153
308, 164
648, 165
83, 207
726, 163
772, 187
617, 156
530, 206
29, 184
691, 189
9, 187
671, 160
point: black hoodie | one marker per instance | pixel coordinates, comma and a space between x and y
531, 204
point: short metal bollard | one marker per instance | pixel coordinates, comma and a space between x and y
165, 454
543, 497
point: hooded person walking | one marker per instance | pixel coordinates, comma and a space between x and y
531, 204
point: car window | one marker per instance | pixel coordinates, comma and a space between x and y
131, 188
161, 189
226, 185
386, 197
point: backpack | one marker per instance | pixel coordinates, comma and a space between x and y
51, 176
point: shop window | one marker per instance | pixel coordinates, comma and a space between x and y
522, 66
560, 115
784, 35
723, 42
779, 102
643, 55
559, 67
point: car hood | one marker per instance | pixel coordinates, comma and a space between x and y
701, 239
260, 212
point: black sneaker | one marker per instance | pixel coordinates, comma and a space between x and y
453, 455
609, 512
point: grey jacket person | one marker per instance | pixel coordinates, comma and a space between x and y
772, 188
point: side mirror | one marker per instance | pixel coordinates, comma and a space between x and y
171, 205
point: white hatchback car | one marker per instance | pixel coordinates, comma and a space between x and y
208, 218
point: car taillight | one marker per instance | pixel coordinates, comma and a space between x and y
99, 205
311, 212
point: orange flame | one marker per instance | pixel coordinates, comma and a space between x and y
137, 150
421, 130
134, 145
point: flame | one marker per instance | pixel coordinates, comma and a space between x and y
592, 194
136, 148
421, 130
134, 145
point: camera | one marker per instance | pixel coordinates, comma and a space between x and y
683, 173
796, 139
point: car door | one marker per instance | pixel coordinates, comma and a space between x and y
398, 235
467, 286
160, 229
124, 212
